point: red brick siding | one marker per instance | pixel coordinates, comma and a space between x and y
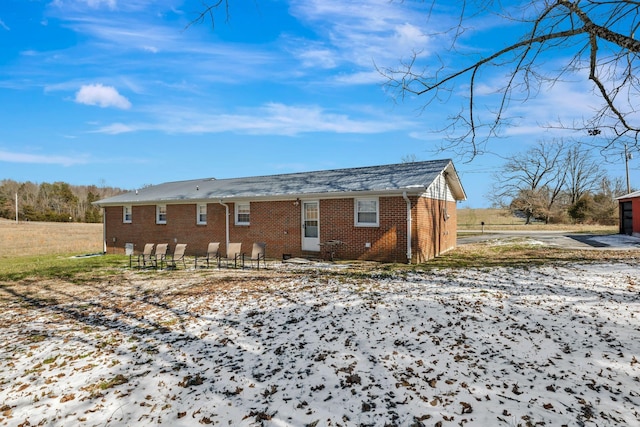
435, 235
279, 225
276, 223
181, 225
388, 242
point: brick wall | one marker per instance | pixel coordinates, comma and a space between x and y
181, 226
279, 224
388, 242
436, 228
276, 223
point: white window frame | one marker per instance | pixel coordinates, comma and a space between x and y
199, 214
160, 211
237, 213
127, 214
356, 212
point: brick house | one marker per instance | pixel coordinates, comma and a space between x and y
393, 213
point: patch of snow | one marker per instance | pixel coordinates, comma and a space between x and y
555, 345
522, 240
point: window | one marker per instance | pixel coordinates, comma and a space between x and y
126, 214
366, 213
201, 217
242, 213
161, 214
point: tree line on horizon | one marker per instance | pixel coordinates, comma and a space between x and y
54, 202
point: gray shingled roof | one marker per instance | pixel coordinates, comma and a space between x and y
411, 177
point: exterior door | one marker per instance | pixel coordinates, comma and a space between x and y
626, 218
311, 226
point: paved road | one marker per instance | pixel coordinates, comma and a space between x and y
557, 238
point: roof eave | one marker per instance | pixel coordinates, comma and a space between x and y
453, 179
631, 195
413, 190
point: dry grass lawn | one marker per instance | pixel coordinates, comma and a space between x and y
500, 219
47, 238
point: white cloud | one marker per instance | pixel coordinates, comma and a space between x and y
409, 34
3, 25
363, 32
116, 128
360, 78
12, 157
321, 58
95, 4
111, 4
103, 96
269, 119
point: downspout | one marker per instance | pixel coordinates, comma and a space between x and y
104, 232
404, 196
226, 208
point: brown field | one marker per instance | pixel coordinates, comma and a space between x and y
47, 238
500, 219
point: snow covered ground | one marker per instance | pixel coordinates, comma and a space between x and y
553, 346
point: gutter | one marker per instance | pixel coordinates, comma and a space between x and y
417, 190
226, 207
404, 196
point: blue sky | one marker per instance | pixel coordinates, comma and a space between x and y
121, 93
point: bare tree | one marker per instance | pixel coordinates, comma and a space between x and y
597, 38
538, 174
531, 203
409, 158
583, 173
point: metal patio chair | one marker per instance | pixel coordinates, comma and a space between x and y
234, 254
178, 255
147, 259
258, 254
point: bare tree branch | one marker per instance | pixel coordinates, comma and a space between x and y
583, 26
596, 36
208, 12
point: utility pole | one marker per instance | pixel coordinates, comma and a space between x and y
627, 156
16, 207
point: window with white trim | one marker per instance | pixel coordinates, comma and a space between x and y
367, 212
161, 214
126, 214
243, 211
201, 216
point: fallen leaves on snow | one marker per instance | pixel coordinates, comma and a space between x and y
521, 346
